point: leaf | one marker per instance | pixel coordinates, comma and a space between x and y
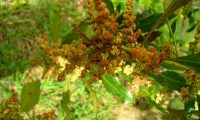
198, 102
189, 106
109, 5
84, 28
174, 5
113, 86
190, 29
30, 95
191, 61
146, 26
171, 80
119, 8
173, 26
158, 106
65, 102
70, 37
176, 104
173, 65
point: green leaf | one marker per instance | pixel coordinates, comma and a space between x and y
153, 103
113, 86
70, 37
173, 26
198, 102
190, 106
173, 65
30, 95
109, 5
146, 26
174, 5
65, 102
190, 29
191, 61
171, 80
176, 104
119, 8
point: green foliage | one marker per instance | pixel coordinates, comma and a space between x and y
65, 102
171, 80
177, 104
190, 106
30, 95
113, 86
151, 18
173, 26
109, 5
191, 61
151, 103
117, 89
198, 102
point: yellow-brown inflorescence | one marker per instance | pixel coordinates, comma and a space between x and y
193, 79
11, 110
111, 43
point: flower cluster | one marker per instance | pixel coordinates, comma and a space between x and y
11, 110
192, 78
111, 43
195, 45
50, 115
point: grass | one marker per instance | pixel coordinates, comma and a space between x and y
51, 96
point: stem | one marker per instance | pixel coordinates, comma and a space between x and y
171, 33
127, 49
28, 115
175, 4
172, 36
94, 100
66, 84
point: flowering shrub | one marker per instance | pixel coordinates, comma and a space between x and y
117, 54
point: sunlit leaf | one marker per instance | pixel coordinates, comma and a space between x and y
191, 61
113, 86
153, 103
173, 65
30, 95
177, 104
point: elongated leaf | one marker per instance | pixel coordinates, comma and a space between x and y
198, 102
109, 5
65, 102
173, 65
191, 61
150, 102
171, 80
113, 86
174, 5
146, 26
190, 106
30, 95
118, 8
173, 26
